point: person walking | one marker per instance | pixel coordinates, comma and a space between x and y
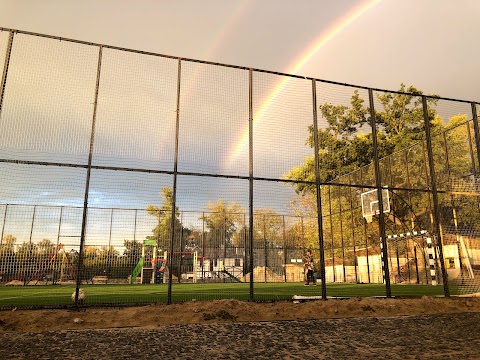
308, 264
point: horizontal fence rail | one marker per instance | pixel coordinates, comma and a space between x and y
132, 177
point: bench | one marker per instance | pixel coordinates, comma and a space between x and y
102, 279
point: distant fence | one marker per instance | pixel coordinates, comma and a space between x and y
127, 167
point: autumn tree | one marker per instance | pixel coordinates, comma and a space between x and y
222, 221
163, 230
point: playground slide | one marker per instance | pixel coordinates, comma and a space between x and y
230, 276
136, 270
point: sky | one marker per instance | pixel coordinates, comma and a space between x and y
375, 43
429, 44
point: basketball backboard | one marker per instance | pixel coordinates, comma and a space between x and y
370, 204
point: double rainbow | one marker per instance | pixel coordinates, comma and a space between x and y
240, 148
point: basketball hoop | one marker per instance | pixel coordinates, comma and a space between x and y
370, 204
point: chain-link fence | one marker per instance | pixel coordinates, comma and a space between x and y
133, 177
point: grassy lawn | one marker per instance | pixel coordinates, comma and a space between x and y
59, 295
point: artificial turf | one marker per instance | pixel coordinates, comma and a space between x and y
60, 295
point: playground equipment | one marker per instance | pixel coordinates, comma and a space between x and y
230, 276
152, 268
47, 271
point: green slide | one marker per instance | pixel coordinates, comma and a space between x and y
136, 271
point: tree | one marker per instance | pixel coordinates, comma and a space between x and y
222, 221
132, 252
345, 146
346, 157
8, 261
163, 230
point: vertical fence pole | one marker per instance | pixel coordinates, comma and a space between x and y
284, 249
3, 225
365, 235
353, 229
180, 266
416, 262
135, 226
58, 243
31, 225
399, 274
427, 181
409, 185
341, 234
2, 93
26, 275
408, 260
5, 70
265, 248
87, 181
378, 183
224, 238
318, 190
470, 147
174, 193
203, 246
436, 209
476, 130
110, 233
250, 174
245, 254
110, 257
331, 231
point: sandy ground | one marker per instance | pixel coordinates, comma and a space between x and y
435, 336
197, 312
426, 328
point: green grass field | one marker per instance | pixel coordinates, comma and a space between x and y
97, 295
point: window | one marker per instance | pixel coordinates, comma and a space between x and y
237, 262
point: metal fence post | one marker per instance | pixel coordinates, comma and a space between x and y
265, 249
433, 182
250, 174
353, 229
26, 260
245, 254
365, 235
378, 184
135, 226
58, 232
174, 193
318, 190
31, 225
181, 249
224, 237
341, 234
476, 131
5, 70
203, 246
331, 231
110, 232
284, 249
428, 180
3, 225
470, 147
87, 181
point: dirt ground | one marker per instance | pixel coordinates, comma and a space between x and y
197, 312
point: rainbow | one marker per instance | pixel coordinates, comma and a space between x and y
240, 148
230, 23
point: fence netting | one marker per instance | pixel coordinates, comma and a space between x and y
128, 177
